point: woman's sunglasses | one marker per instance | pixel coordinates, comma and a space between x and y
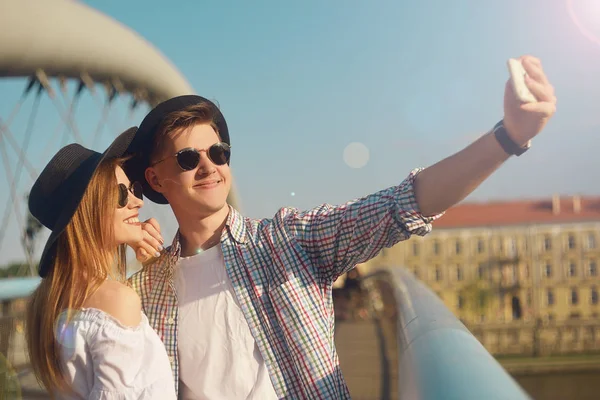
189, 158
135, 188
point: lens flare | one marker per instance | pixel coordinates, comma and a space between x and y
585, 14
356, 155
65, 332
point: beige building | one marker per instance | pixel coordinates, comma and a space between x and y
515, 260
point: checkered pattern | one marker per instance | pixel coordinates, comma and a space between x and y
282, 270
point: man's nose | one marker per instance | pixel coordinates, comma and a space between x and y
205, 165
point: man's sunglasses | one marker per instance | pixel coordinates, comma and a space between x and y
135, 188
189, 158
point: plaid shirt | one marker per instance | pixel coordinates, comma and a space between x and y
282, 270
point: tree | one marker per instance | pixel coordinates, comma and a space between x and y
476, 295
13, 270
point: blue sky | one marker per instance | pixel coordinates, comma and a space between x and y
411, 81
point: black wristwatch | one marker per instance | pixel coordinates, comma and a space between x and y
508, 145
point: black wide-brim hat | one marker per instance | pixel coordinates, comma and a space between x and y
58, 190
141, 145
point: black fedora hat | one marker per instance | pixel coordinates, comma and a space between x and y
58, 190
141, 145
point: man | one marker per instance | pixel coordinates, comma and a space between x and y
244, 306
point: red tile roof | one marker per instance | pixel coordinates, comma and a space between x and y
521, 212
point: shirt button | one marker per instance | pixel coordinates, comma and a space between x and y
171, 359
171, 321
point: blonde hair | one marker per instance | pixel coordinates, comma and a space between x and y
85, 258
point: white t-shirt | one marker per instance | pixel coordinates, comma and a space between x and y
218, 357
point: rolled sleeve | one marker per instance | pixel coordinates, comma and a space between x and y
339, 237
409, 213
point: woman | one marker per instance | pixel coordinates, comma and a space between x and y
86, 334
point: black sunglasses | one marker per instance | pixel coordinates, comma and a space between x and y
135, 188
189, 158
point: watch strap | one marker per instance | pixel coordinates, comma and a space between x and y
508, 145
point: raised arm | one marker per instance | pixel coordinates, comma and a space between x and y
449, 181
338, 238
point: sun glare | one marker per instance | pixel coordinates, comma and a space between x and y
586, 16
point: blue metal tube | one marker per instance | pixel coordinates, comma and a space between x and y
439, 358
16, 288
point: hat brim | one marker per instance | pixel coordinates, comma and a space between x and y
117, 149
141, 145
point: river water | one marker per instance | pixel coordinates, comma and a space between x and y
562, 385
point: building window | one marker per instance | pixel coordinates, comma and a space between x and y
528, 298
480, 246
547, 243
438, 274
459, 273
415, 249
515, 337
548, 270
512, 247
481, 300
571, 242
593, 268
572, 269
550, 297
457, 247
514, 274
574, 296
436, 247
460, 302
591, 241
594, 296
480, 271
526, 271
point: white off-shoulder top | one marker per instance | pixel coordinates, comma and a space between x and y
103, 359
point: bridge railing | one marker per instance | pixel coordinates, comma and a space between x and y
438, 356
17, 288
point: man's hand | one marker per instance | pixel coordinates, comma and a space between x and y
523, 121
152, 244
451, 180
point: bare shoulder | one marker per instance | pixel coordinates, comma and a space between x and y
117, 300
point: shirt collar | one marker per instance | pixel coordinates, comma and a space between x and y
234, 227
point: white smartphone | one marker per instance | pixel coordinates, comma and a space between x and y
517, 76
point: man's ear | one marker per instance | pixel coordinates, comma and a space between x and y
153, 180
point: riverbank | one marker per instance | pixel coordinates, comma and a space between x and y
520, 366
